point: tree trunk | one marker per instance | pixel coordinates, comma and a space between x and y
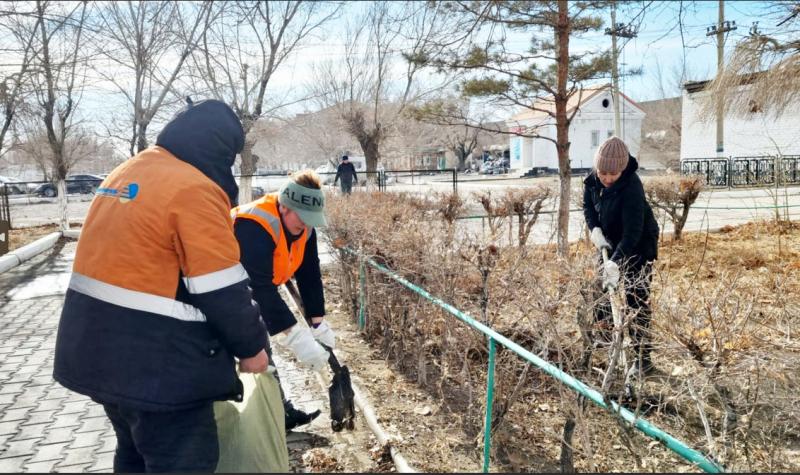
141, 137
462, 160
562, 127
371, 149
567, 459
248, 168
63, 221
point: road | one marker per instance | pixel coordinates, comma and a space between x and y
713, 209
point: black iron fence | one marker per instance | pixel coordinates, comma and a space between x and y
5, 223
735, 172
35, 203
381, 180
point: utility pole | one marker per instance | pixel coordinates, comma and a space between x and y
719, 30
623, 31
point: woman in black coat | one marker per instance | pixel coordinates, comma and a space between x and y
621, 220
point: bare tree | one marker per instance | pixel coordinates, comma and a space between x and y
517, 78
764, 70
366, 87
240, 53
14, 79
461, 138
146, 44
322, 135
58, 75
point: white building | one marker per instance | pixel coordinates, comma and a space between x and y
753, 133
592, 124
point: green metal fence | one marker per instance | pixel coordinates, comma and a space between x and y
675, 445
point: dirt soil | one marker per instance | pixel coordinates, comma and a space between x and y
22, 236
429, 438
434, 440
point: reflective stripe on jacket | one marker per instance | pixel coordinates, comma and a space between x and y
285, 260
158, 303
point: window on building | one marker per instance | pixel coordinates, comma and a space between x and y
595, 138
610, 133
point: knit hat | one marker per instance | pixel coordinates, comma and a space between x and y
611, 156
308, 203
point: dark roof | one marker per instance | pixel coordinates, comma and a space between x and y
697, 86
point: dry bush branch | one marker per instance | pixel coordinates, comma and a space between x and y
723, 330
674, 195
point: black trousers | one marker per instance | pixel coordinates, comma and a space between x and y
637, 280
347, 186
176, 441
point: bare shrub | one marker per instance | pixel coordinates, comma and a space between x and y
723, 339
494, 209
525, 204
674, 195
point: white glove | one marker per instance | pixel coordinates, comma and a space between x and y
610, 275
305, 347
324, 334
599, 240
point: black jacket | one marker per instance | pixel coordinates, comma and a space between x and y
624, 215
346, 171
257, 249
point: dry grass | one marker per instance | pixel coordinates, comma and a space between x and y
21, 237
724, 319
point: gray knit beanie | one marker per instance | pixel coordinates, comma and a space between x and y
611, 156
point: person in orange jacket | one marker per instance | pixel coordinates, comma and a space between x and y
278, 242
158, 305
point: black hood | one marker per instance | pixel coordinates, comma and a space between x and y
206, 135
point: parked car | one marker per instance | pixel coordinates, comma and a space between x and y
83, 184
7, 185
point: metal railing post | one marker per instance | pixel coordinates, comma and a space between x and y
730, 173
487, 429
362, 289
633, 419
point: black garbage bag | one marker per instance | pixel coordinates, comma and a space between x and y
342, 397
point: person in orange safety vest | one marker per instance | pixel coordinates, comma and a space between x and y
278, 242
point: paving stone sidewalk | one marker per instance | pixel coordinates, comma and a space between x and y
46, 428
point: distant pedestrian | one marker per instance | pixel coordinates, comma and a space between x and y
621, 221
158, 305
347, 172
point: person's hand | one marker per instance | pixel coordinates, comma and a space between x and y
324, 334
305, 347
254, 364
610, 275
599, 240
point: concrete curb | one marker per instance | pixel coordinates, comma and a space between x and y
18, 256
72, 234
367, 410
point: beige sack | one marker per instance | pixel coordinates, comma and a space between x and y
252, 437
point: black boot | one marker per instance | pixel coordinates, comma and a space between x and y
295, 417
644, 364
